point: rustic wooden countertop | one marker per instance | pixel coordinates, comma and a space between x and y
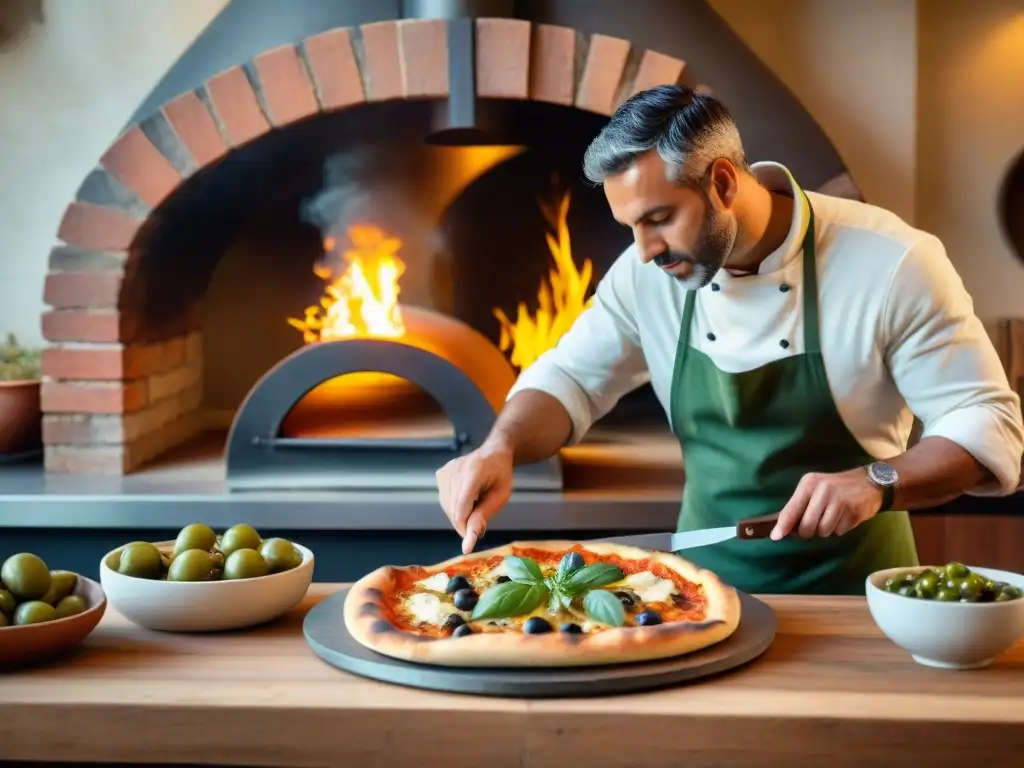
831, 690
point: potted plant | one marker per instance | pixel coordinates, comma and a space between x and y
20, 416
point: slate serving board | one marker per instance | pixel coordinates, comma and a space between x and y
325, 632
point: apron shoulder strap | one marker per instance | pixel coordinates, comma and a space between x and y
812, 337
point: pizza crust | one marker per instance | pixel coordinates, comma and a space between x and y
365, 619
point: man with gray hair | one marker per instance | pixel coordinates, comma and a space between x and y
791, 338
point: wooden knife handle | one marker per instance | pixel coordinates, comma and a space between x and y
756, 527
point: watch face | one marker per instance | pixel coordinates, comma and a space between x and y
882, 473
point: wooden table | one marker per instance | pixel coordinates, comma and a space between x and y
831, 691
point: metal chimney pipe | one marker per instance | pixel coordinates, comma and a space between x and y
461, 120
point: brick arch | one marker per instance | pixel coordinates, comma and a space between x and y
116, 393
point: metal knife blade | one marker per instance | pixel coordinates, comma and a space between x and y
703, 537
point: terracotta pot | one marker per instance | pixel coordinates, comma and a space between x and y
20, 416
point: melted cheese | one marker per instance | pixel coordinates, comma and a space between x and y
429, 609
436, 583
648, 587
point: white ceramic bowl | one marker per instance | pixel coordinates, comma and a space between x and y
947, 635
205, 606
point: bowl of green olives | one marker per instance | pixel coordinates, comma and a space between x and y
949, 616
42, 612
206, 582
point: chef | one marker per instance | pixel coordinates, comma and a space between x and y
791, 338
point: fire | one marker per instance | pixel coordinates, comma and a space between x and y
561, 299
361, 298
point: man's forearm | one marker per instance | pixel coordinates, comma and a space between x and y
533, 426
935, 471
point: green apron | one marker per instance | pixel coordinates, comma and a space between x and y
747, 440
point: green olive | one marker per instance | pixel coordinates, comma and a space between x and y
115, 560
927, 584
195, 536
26, 576
34, 612
72, 605
4, 621
239, 536
192, 565
946, 595
907, 590
141, 560
956, 570
62, 584
280, 554
972, 588
7, 603
1009, 592
245, 564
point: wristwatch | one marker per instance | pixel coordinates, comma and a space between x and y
884, 475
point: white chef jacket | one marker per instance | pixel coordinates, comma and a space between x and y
899, 336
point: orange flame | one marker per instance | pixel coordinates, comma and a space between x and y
561, 299
361, 301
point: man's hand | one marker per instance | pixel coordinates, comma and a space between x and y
826, 504
473, 489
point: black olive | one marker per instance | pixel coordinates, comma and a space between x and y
503, 579
455, 583
625, 598
648, 618
572, 629
465, 599
461, 630
572, 561
535, 625
453, 621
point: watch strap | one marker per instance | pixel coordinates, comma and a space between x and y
888, 497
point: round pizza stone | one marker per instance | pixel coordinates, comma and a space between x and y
324, 628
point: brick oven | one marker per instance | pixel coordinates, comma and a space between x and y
234, 197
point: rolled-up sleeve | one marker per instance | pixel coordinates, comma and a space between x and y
947, 369
598, 360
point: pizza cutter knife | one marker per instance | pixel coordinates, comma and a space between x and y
749, 528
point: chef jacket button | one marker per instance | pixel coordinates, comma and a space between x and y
716, 287
784, 287
783, 343
711, 337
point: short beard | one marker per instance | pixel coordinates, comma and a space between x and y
717, 239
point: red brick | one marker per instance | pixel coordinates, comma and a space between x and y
235, 101
602, 73
424, 48
94, 397
381, 61
97, 228
75, 290
552, 64
503, 58
113, 363
78, 325
656, 69
136, 163
287, 91
334, 69
196, 128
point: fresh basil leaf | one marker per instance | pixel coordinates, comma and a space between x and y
508, 599
569, 564
592, 576
603, 606
523, 570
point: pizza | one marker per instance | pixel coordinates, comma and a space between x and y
544, 603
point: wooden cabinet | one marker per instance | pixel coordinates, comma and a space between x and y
994, 541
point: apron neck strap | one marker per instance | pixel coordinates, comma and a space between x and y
812, 340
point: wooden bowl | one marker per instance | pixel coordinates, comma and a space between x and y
205, 606
36, 642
